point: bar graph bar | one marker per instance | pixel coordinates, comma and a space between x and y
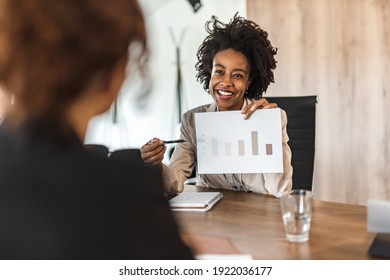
255, 143
228, 149
241, 147
268, 149
214, 147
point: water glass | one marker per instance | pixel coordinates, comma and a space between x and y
296, 214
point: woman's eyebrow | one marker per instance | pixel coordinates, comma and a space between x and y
235, 69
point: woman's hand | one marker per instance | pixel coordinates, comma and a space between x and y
262, 103
152, 153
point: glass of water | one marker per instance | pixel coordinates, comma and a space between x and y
296, 213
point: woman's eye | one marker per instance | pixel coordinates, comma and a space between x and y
238, 76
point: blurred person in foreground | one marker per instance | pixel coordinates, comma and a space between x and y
235, 65
64, 62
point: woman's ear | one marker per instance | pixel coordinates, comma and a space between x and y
105, 86
6, 100
248, 84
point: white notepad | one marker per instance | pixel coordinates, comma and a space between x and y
195, 201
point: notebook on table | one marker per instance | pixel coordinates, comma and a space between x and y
195, 201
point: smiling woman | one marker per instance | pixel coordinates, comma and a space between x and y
235, 65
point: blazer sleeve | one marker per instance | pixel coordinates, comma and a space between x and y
276, 183
183, 159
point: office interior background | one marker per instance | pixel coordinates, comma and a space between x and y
338, 50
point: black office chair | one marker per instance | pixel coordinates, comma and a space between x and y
97, 149
129, 155
190, 180
301, 115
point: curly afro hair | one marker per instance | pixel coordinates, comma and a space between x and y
246, 37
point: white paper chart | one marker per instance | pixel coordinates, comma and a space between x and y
226, 143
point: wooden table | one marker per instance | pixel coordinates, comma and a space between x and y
253, 223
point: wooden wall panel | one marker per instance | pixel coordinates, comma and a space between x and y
340, 51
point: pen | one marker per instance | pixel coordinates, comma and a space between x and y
174, 141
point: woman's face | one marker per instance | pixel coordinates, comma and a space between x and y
229, 79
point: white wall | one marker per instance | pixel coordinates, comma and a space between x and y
158, 115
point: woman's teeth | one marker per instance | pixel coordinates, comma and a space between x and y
226, 93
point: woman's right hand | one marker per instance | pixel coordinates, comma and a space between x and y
152, 153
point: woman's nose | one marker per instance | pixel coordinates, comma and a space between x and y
226, 82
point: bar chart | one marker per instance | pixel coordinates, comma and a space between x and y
226, 143
240, 146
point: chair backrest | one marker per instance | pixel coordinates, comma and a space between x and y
193, 174
129, 155
97, 149
301, 115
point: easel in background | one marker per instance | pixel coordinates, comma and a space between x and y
178, 71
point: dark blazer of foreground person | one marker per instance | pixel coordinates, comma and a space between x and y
58, 201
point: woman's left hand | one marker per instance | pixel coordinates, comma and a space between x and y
262, 103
